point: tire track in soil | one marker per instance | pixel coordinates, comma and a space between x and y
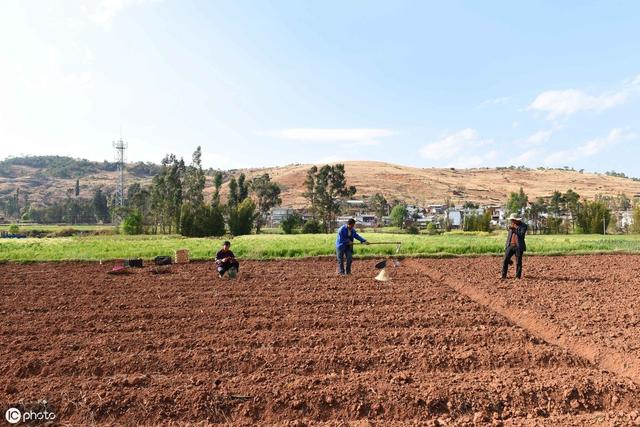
606, 359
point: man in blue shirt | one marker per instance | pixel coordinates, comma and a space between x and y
344, 245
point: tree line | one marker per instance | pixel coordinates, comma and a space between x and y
175, 202
568, 212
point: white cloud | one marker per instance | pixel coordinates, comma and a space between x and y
525, 157
450, 145
348, 137
494, 101
598, 145
559, 103
590, 148
219, 161
539, 137
474, 161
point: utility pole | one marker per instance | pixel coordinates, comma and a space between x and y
120, 146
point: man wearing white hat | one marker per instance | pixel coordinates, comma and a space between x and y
515, 245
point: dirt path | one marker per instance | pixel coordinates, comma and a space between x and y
607, 359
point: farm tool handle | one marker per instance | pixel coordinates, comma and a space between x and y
385, 243
398, 244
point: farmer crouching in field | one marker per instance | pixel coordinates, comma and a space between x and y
515, 245
344, 245
225, 259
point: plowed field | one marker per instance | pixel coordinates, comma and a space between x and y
443, 343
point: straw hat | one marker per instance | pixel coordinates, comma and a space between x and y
514, 217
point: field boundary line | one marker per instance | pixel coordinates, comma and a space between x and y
606, 359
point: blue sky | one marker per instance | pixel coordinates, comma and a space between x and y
257, 83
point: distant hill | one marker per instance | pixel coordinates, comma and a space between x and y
47, 178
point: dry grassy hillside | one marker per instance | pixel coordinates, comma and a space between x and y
408, 184
45, 189
431, 185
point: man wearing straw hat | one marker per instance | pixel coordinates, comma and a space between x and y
344, 245
515, 245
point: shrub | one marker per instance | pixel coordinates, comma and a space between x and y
14, 229
241, 218
290, 222
398, 215
592, 217
431, 229
311, 227
132, 223
413, 229
635, 227
203, 221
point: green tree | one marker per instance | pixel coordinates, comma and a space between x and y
217, 183
635, 227
380, 206
100, 206
517, 202
535, 214
398, 215
13, 205
201, 221
195, 217
243, 188
432, 229
289, 223
572, 203
556, 204
241, 217
167, 194
132, 223
311, 193
233, 193
139, 198
477, 222
267, 194
312, 226
194, 180
592, 217
159, 201
326, 188
413, 229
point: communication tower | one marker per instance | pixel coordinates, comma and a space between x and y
120, 146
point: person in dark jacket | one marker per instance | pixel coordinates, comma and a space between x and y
344, 245
515, 245
225, 259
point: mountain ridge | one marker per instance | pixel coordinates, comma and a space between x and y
46, 182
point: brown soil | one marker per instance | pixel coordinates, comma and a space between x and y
289, 342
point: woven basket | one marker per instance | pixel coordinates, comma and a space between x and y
182, 256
